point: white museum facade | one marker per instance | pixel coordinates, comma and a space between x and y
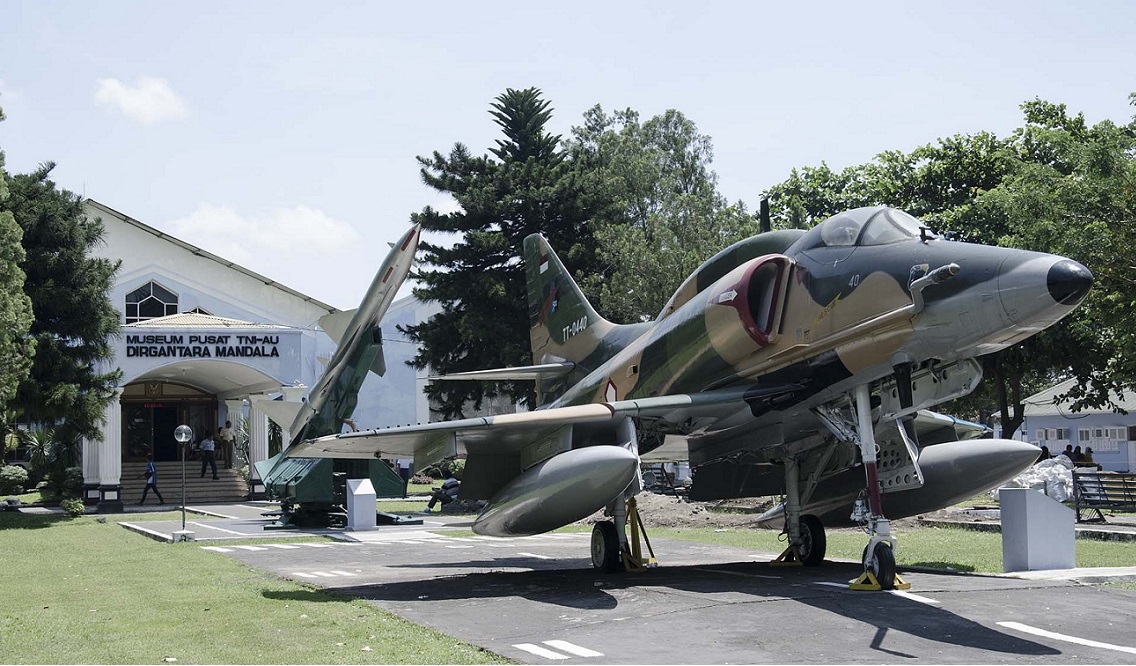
205, 341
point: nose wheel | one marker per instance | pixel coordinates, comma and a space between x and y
879, 568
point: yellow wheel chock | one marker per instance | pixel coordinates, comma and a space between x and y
867, 581
633, 552
790, 558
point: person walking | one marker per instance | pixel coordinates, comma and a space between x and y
151, 481
208, 454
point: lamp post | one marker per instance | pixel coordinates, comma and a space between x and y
183, 434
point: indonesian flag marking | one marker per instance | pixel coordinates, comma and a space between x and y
543, 262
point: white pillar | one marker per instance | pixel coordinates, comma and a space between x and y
91, 470
234, 412
258, 442
110, 457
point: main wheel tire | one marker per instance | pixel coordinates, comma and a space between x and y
882, 565
605, 547
813, 541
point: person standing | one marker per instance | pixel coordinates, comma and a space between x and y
208, 454
226, 436
151, 481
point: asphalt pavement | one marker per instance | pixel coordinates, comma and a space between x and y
537, 599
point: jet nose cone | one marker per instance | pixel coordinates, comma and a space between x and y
1069, 282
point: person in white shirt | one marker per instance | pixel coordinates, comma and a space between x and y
225, 436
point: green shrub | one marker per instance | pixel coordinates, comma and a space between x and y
13, 479
73, 506
72, 483
457, 466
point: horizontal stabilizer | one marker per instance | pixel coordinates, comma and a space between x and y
543, 371
335, 324
282, 413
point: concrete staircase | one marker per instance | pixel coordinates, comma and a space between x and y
229, 486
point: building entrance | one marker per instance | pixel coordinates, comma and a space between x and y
148, 424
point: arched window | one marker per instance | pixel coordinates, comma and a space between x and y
149, 301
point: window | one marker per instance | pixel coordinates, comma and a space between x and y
199, 310
149, 301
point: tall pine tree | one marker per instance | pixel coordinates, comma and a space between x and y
522, 187
16, 347
74, 320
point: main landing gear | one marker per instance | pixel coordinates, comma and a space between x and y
806, 534
613, 550
807, 542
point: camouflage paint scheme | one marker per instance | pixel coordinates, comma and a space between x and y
752, 361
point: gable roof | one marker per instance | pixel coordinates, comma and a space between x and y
193, 249
1043, 403
198, 320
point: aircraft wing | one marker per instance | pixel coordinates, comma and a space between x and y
282, 413
506, 434
511, 374
336, 323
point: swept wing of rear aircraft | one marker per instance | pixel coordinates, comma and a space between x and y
786, 362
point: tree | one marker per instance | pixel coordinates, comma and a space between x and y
1056, 185
656, 211
17, 348
74, 320
1073, 192
523, 187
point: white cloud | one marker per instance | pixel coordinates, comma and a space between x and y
280, 243
7, 93
149, 100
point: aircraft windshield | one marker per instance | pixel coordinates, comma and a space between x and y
876, 225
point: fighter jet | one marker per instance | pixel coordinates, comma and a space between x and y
793, 362
304, 485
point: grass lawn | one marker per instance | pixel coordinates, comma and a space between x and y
937, 547
80, 591
421, 488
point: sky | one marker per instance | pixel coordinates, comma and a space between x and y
283, 135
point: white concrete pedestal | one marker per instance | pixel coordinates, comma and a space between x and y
184, 535
361, 505
1037, 531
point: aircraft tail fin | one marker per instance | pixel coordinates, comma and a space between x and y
563, 324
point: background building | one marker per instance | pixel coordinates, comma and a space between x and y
205, 340
1112, 436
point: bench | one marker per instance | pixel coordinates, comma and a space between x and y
1093, 491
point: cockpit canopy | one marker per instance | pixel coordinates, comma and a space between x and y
874, 225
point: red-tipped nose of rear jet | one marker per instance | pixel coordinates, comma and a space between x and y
1069, 282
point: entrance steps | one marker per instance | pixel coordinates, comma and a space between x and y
229, 486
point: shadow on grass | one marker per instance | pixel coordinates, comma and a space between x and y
314, 596
944, 566
16, 520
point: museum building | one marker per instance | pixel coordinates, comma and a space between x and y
204, 341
